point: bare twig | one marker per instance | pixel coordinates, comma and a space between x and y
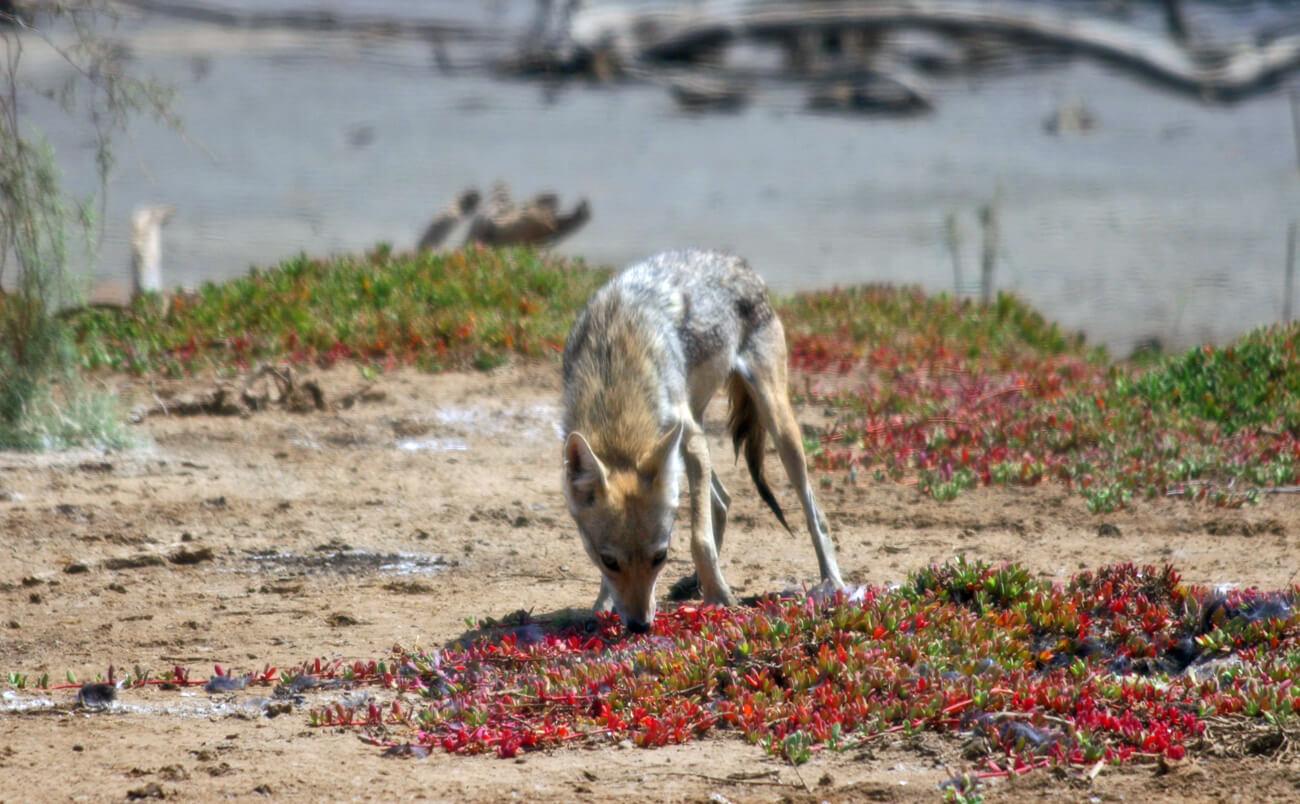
1295, 122
952, 239
806, 788
1182, 489
1288, 292
989, 257
739, 779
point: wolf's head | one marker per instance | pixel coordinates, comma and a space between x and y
625, 518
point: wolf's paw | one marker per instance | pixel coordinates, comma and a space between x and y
722, 597
827, 591
687, 588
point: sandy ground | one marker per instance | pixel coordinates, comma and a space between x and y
339, 534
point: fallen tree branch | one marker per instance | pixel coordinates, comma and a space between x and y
664, 33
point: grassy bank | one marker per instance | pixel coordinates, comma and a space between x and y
460, 310
932, 391
950, 395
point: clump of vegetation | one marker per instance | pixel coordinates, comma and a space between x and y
1254, 382
1125, 664
946, 394
950, 395
1112, 666
42, 402
471, 308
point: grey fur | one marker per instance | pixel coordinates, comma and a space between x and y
711, 302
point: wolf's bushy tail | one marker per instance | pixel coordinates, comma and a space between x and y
747, 431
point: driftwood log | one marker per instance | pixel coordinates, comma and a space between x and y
665, 33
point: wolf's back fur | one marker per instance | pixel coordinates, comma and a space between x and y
630, 357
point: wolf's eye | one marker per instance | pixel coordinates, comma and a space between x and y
610, 563
659, 558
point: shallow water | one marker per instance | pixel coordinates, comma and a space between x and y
1168, 221
348, 561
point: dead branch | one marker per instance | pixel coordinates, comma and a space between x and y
666, 33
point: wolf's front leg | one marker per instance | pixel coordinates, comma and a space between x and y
604, 599
699, 471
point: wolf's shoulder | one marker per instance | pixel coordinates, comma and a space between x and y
685, 267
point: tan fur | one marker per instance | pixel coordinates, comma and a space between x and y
614, 401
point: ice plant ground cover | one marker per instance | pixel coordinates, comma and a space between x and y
950, 394
464, 309
946, 394
1122, 664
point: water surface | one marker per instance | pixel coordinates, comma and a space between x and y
1168, 220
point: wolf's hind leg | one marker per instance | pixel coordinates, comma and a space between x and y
765, 377
721, 502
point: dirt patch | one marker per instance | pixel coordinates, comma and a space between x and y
284, 536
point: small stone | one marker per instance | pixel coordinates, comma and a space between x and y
1108, 530
139, 561
76, 568
96, 696
196, 556
277, 708
173, 773
151, 790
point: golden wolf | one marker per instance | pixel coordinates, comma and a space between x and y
641, 364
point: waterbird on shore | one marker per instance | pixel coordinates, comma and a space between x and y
536, 223
444, 222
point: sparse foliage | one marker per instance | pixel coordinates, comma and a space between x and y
37, 221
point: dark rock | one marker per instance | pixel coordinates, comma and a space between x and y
96, 696
134, 562
187, 556
218, 684
151, 790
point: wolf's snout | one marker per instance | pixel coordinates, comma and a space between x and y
638, 626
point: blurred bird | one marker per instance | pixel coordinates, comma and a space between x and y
537, 223
447, 220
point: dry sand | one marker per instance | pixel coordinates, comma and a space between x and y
339, 534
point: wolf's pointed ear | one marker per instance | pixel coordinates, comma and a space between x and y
661, 454
584, 474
